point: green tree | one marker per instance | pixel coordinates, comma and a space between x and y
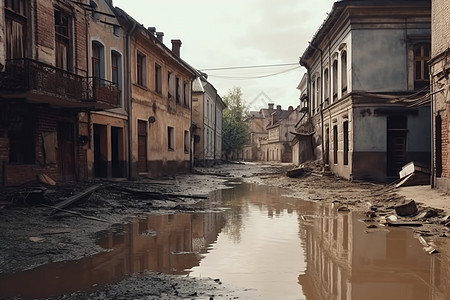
235, 129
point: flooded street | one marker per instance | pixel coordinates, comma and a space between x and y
253, 238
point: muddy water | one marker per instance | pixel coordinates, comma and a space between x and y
252, 237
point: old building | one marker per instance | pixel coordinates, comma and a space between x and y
270, 134
207, 113
367, 65
44, 88
302, 149
440, 87
107, 146
159, 101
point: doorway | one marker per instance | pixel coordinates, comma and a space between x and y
142, 146
66, 157
397, 130
100, 151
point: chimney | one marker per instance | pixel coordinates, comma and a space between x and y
152, 30
291, 108
270, 106
160, 36
278, 107
176, 45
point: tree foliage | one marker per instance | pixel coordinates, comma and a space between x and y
235, 130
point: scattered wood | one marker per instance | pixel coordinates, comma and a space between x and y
78, 214
42, 178
414, 174
155, 195
406, 209
75, 198
404, 223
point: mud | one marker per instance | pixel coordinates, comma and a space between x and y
32, 236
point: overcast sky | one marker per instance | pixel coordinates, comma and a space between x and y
236, 33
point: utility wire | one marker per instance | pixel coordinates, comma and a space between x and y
249, 67
253, 77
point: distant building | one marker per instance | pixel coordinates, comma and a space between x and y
270, 135
367, 74
207, 115
440, 87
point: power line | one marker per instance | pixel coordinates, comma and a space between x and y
249, 67
253, 77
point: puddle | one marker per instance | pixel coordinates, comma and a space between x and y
278, 246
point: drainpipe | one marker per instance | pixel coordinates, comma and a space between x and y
129, 102
433, 136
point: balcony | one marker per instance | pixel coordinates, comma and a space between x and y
102, 91
38, 82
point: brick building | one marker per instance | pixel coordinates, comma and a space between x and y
43, 90
440, 88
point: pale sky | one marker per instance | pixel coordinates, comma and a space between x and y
236, 33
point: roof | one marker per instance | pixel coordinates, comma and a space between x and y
336, 13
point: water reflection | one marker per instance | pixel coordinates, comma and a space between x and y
345, 261
281, 247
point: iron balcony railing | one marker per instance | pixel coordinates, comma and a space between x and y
101, 90
34, 78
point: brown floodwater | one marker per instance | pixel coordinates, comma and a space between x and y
252, 237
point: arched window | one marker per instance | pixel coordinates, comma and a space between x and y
326, 85
344, 72
335, 79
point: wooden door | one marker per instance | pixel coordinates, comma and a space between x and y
142, 146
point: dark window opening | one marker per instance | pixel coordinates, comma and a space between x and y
140, 69
158, 79
346, 143
335, 144
170, 138
421, 70
438, 146
21, 139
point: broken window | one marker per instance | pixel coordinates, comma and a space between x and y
62, 40
178, 90
15, 31
421, 71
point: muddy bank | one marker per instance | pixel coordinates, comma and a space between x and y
34, 235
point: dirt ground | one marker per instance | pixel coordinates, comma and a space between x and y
32, 234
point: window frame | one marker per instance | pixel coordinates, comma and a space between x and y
141, 69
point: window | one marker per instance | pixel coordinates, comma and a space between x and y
171, 85
335, 79
421, 72
115, 67
62, 40
326, 88
344, 72
186, 94
21, 138
141, 78
96, 60
335, 144
170, 138
186, 141
346, 143
158, 79
313, 100
318, 98
16, 25
177, 90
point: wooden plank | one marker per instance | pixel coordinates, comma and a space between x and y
75, 198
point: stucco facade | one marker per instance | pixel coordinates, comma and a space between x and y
364, 64
207, 115
160, 103
440, 87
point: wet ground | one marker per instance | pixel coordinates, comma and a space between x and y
261, 239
